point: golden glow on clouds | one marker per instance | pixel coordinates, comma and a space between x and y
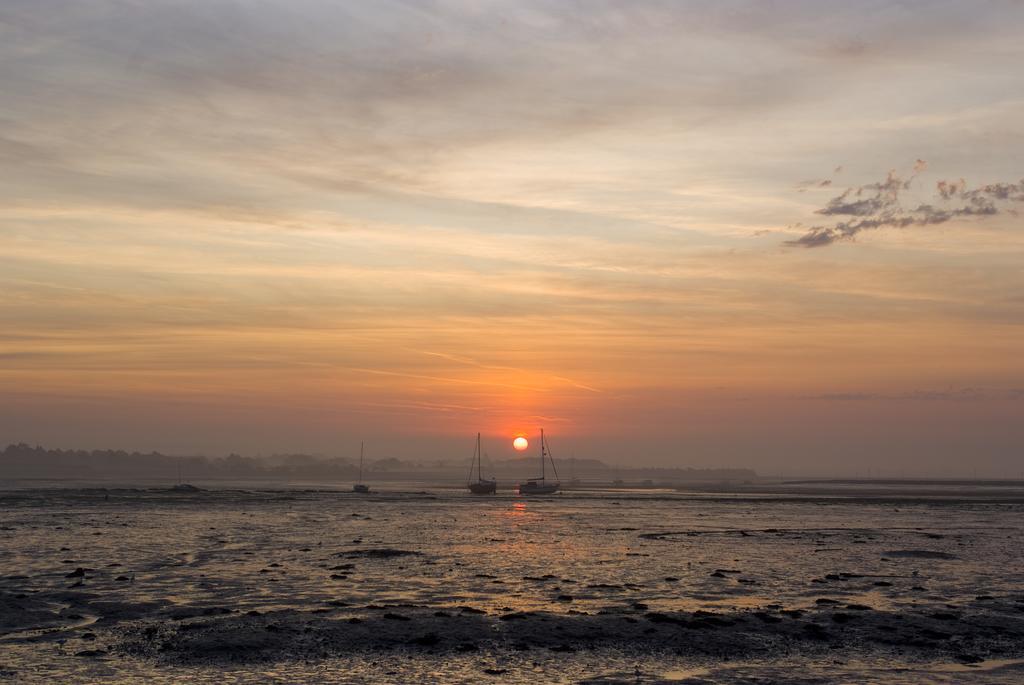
507, 223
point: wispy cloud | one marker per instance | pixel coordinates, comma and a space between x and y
945, 395
881, 205
285, 223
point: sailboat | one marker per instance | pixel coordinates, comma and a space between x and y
541, 486
360, 486
481, 486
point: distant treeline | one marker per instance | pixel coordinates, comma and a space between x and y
24, 461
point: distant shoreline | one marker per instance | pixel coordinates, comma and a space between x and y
885, 491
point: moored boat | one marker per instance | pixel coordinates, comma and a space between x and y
541, 485
481, 486
360, 486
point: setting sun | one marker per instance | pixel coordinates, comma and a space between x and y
754, 268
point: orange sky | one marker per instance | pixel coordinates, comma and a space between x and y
285, 228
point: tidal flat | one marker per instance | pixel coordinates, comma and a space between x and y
413, 584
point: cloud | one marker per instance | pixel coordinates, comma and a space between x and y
945, 395
880, 205
813, 183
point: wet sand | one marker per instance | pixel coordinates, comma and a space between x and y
436, 586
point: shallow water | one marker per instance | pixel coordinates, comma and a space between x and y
575, 555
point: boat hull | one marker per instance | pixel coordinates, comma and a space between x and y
538, 488
360, 488
484, 487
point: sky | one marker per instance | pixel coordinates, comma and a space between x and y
776, 235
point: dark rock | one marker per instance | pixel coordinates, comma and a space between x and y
216, 611
935, 634
765, 617
658, 617
711, 622
379, 553
918, 554
815, 631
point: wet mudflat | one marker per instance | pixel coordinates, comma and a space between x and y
436, 586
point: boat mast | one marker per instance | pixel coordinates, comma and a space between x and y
360, 461
479, 475
543, 473
553, 467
